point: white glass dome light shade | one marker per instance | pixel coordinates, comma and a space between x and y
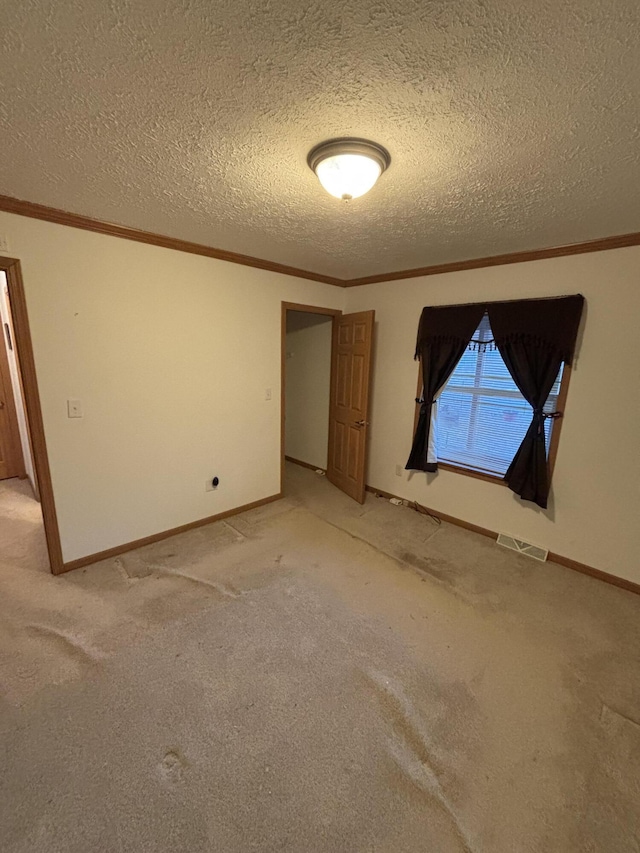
348, 168
348, 176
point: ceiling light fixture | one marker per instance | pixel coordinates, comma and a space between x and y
348, 168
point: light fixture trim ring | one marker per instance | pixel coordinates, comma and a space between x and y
349, 145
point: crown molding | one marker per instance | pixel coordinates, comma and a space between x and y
8, 204
619, 241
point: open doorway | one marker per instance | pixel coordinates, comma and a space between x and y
22, 539
307, 345
29, 535
326, 367
308, 381
15, 445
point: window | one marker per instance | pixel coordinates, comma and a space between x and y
481, 416
484, 418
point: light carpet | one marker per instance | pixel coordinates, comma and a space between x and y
317, 676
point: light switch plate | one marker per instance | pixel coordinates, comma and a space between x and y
4, 243
267, 394
74, 409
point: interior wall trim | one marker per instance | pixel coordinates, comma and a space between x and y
8, 204
620, 241
567, 562
334, 313
308, 465
86, 223
165, 534
24, 350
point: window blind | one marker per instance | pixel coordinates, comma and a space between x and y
482, 416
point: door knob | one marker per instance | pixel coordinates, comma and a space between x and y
361, 423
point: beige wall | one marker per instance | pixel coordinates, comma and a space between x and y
170, 355
595, 500
308, 366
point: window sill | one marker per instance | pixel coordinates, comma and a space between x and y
469, 472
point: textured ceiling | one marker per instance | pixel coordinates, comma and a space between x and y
511, 125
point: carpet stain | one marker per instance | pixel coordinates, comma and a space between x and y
435, 568
173, 767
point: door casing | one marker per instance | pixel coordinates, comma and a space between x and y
24, 350
12, 333
307, 309
337, 316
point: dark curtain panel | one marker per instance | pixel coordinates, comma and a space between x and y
534, 338
443, 336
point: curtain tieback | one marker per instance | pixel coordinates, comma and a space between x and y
425, 404
543, 416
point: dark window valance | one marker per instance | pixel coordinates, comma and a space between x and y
553, 323
448, 324
549, 323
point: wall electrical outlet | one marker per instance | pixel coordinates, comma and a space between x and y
399, 470
210, 485
74, 409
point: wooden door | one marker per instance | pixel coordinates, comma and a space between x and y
349, 409
11, 461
